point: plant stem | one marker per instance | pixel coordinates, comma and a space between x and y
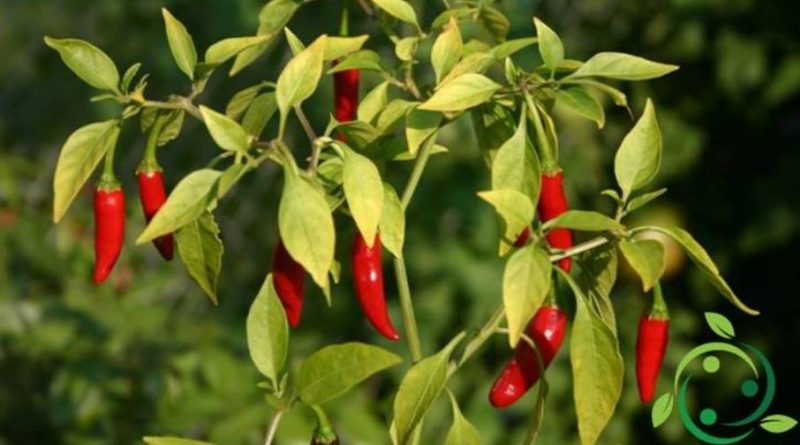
403, 289
273, 427
580, 248
407, 310
422, 160
305, 123
484, 334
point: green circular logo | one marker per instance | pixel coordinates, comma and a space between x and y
706, 425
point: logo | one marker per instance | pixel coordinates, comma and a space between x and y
758, 388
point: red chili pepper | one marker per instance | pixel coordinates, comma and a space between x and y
547, 331
153, 196
368, 276
288, 276
552, 203
651, 344
345, 95
523, 236
109, 229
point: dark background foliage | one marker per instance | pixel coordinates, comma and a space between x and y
148, 354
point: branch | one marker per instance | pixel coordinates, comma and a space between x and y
273, 427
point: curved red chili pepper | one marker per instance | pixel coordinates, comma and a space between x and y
288, 276
523, 236
547, 331
651, 344
109, 230
153, 196
368, 276
552, 203
345, 95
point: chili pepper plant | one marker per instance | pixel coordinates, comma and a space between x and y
474, 73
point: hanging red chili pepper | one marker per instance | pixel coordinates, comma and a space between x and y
288, 276
651, 345
368, 276
153, 196
109, 228
546, 329
345, 93
523, 236
552, 203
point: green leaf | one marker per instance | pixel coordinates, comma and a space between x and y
639, 155
127, 78
777, 423
333, 370
516, 166
644, 199
361, 60
583, 220
180, 43
508, 48
295, 44
79, 156
260, 112
646, 257
661, 410
226, 49
720, 325
494, 21
393, 114
88, 62
420, 125
616, 95
299, 79
393, 221
419, 389
446, 50
364, 192
273, 16
597, 368
359, 134
526, 282
399, 9
516, 211
171, 129
190, 198
579, 101
621, 66
268, 332
473, 63
241, 101
464, 92
172, 441
461, 431
597, 278
406, 48
201, 250
338, 47
550, 47
306, 226
226, 132
230, 177
706, 264
373, 103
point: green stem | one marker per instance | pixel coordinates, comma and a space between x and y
273, 427
344, 23
422, 160
149, 161
407, 310
547, 154
580, 248
403, 288
484, 334
108, 180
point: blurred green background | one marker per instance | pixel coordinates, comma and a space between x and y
148, 354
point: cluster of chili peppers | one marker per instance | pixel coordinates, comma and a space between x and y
549, 324
366, 260
109, 208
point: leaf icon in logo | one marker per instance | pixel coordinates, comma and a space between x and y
662, 409
720, 325
778, 423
